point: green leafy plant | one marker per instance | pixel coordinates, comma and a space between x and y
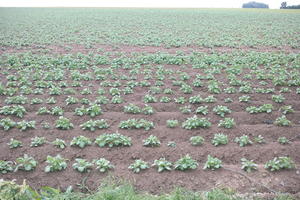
7, 124
203, 110
138, 165
81, 141
6, 166
82, 165
278, 98
279, 163
195, 122
57, 111
37, 141
283, 140
59, 143
63, 123
227, 123
212, 163
117, 100
148, 110
137, 124
25, 125
172, 123
185, 109
243, 140
259, 139
151, 141
286, 109
17, 110
103, 165
131, 108
282, 121
113, 139
26, 163
56, 163
248, 165
180, 100
219, 139
196, 140
149, 99
94, 110
244, 98
162, 165
92, 125
13, 143
185, 163
221, 110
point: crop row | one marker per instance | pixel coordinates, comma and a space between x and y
58, 163
116, 139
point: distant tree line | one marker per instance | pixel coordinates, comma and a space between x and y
253, 4
285, 6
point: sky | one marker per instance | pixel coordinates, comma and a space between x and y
274, 4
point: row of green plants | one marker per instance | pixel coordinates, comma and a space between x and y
58, 163
117, 139
190, 123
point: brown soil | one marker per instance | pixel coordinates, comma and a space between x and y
150, 180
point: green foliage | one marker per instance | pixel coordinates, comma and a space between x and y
279, 163
57, 111
282, 121
26, 163
278, 98
221, 110
243, 140
196, 140
24, 125
81, 141
202, 110
195, 122
94, 110
259, 139
286, 109
149, 99
137, 124
113, 139
18, 110
162, 165
6, 166
92, 125
82, 165
219, 139
227, 123
13, 143
248, 165
151, 141
172, 123
37, 141
131, 108
103, 165
56, 163
7, 124
138, 165
185, 163
212, 163
283, 140
63, 123
59, 143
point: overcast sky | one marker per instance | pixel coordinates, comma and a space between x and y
139, 3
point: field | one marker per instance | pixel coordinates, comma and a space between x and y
194, 98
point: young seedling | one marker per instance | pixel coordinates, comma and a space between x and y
138, 165
162, 165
